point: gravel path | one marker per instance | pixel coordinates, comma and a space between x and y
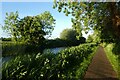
100, 67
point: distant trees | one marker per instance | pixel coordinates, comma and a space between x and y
30, 29
68, 34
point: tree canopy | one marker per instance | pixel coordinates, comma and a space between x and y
102, 17
68, 34
30, 29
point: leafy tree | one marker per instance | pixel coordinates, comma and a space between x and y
10, 22
48, 22
30, 29
101, 17
68, 34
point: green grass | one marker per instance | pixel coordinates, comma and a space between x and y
113, 58
68, 64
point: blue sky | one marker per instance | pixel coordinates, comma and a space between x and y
35, 8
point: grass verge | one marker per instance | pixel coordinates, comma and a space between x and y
113, 58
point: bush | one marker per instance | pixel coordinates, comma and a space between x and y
75, 59
70, 63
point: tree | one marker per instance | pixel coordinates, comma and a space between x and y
48, 22
101, 17
10, 22
30, 29
68, 34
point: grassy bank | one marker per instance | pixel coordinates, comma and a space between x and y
70, 63
113, 58
10, 48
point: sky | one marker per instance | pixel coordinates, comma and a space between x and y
35, 8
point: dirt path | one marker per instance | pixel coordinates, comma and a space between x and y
100, 68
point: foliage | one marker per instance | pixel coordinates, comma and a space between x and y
89, 39
116, 48
102, 17
114, 59
30, 29
53, 43
11, 21
95, 38
68, 34
69, 64
48, 22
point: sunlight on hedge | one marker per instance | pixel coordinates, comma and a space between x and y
70, 63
